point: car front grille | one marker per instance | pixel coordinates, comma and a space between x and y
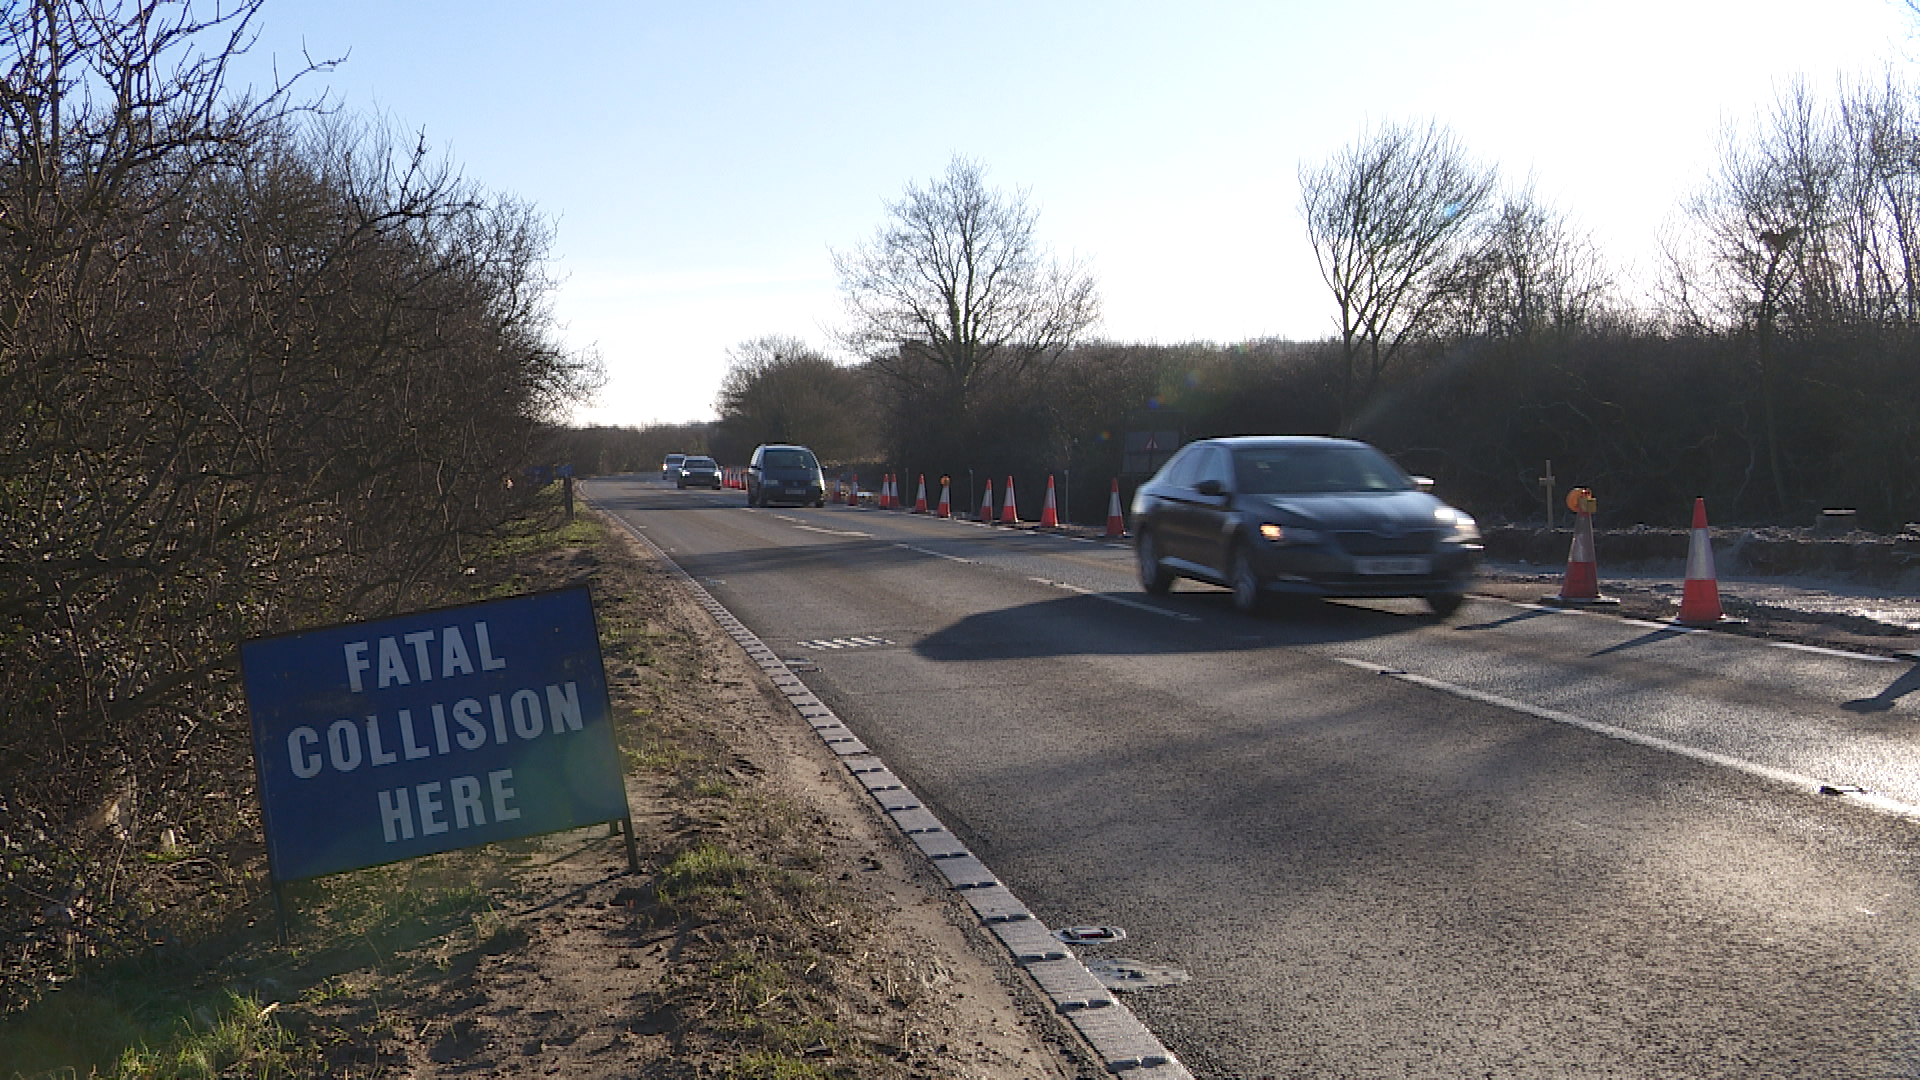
1368, 542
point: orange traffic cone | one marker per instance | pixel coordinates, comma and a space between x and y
1049, 517
1700, 599
886, 492
920, 496
1116, 521
1582, 583
946, 501
893, 492
986, 503
1008, 514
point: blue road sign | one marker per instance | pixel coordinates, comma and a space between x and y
388, 740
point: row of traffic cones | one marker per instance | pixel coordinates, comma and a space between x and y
889, 499
1699, 597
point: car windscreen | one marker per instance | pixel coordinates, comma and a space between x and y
697, 463
1312, 470
788, 459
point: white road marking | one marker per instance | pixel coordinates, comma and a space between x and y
846, 643
937, 554
1823, 650
1655, 742
833, 532
1841, 653
1112, 599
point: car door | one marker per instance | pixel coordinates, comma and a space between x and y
1192, 514
1212, 517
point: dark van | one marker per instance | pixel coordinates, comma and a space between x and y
785, 474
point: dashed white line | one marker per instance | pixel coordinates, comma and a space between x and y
1112, 599
937, 554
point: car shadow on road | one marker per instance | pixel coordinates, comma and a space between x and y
1518, 617
1662, 634
1907, 683
1096, 624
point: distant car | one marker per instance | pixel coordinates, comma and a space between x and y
698, 471
780, 473
670, 469
1301, 515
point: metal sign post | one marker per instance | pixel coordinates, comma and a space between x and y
1546, 488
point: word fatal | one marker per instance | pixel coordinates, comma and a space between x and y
393, 671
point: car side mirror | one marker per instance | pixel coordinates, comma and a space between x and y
1210, 487
1423, 483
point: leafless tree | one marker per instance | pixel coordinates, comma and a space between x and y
781, 389
1394, 220
1533, 272
955, 290
261, 371
1764, 256
1875, 229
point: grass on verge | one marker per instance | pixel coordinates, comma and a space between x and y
773, 974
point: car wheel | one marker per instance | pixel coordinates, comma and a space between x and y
1446, 603
821, 501
1154, 577
1246, 583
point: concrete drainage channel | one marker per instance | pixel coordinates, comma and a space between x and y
1123, 1043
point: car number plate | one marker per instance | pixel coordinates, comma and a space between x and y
1378, 565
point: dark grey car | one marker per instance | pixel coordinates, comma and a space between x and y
699, 471
1301, 515
780, 473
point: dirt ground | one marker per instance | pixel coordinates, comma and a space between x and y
841, 955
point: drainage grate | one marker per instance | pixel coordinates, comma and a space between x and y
845, 643
1119, 974
1091, 935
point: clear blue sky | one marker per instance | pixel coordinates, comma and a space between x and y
701, 160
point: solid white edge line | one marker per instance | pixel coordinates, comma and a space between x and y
1654, 742
1843, 654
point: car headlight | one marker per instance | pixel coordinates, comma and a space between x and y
1289, 534
1461, 528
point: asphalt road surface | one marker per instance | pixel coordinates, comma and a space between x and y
1514, 843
